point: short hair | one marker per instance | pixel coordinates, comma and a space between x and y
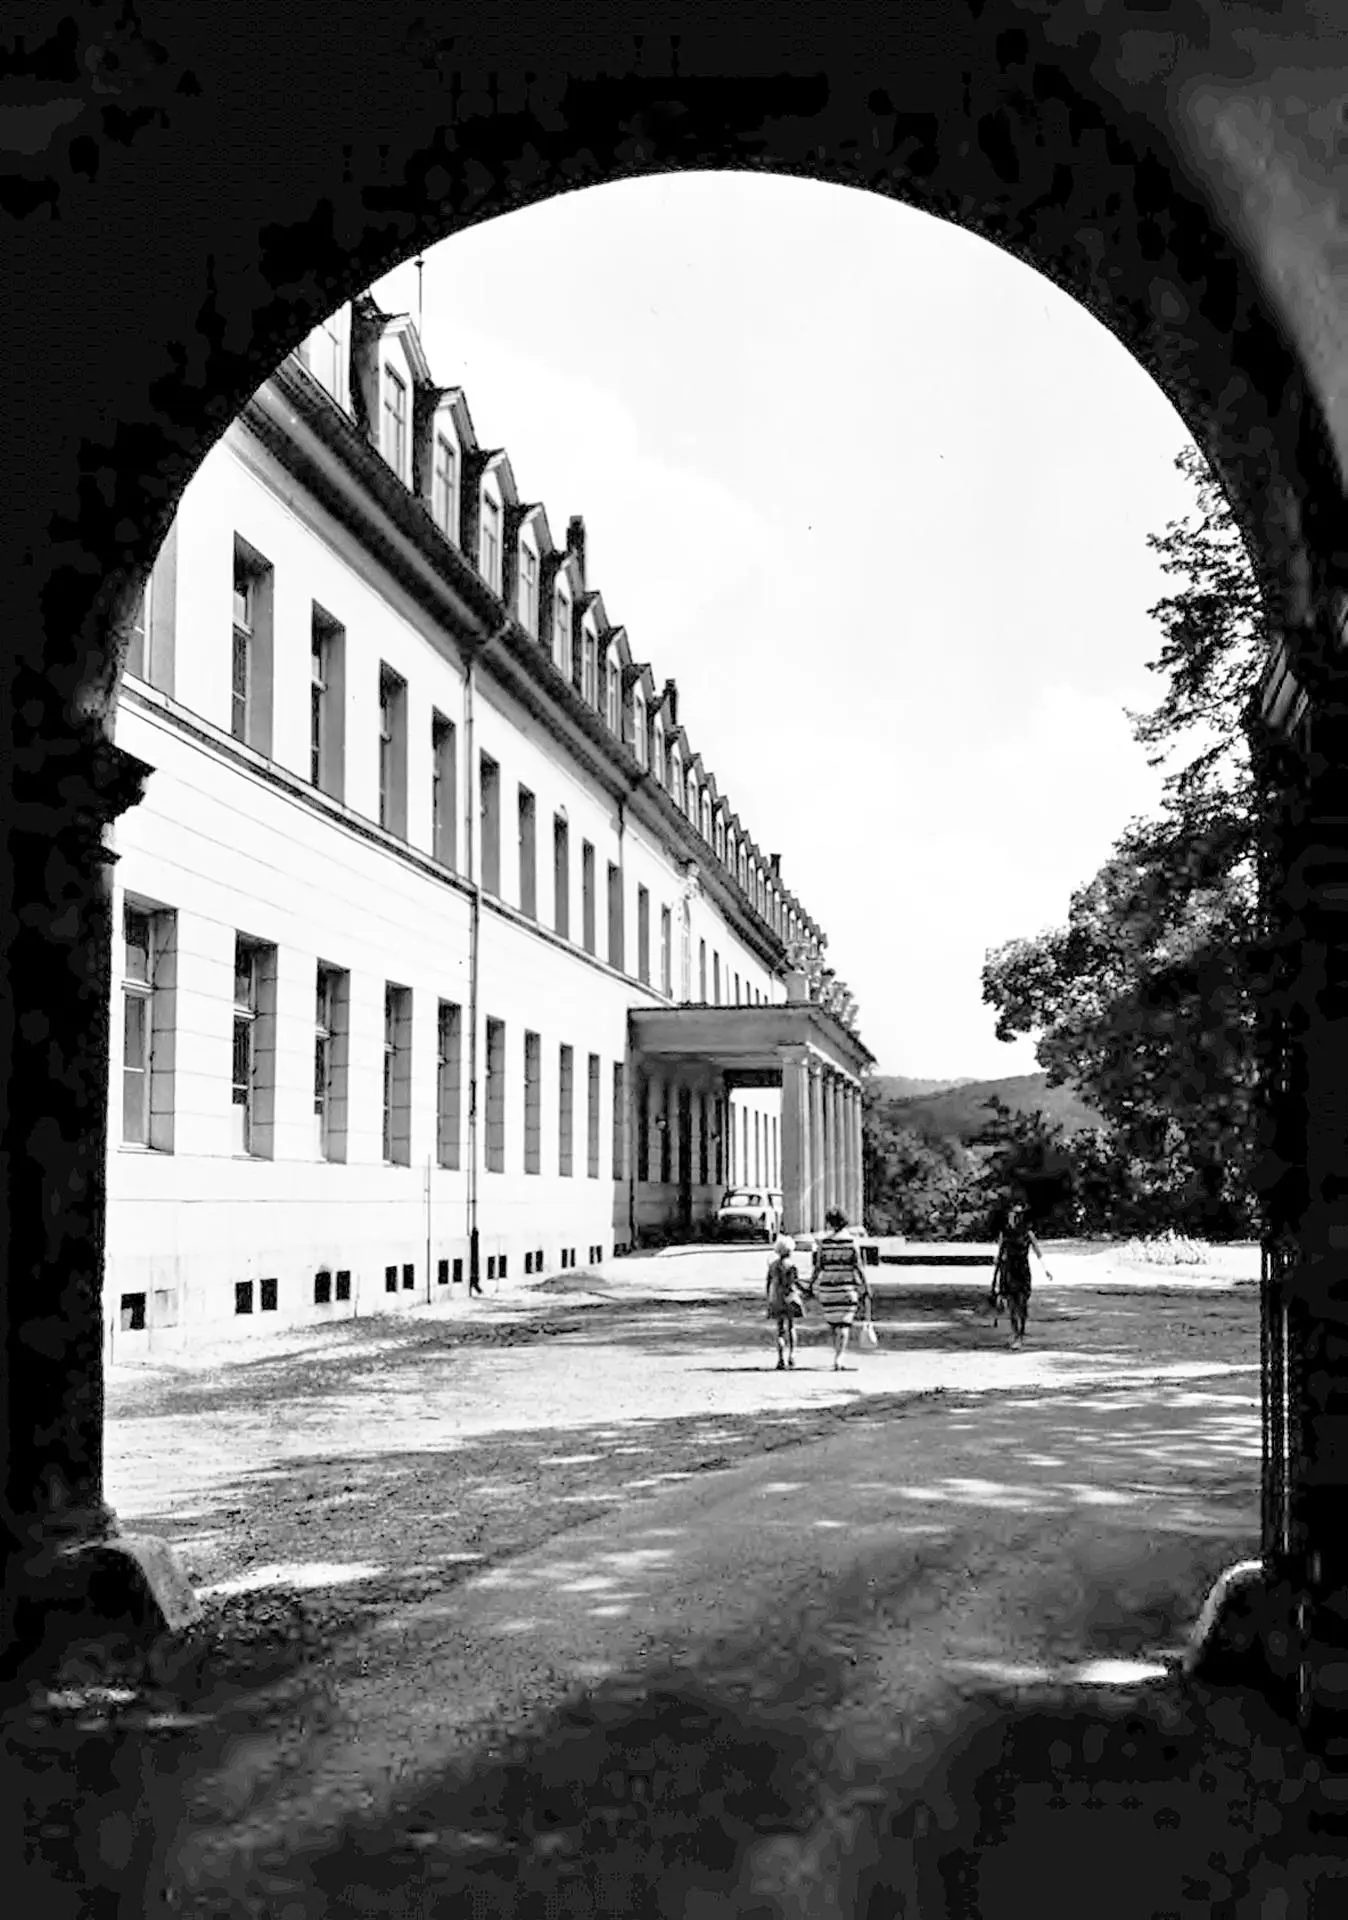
835, 1218
785, 1245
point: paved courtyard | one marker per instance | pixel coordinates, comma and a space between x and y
566, 1601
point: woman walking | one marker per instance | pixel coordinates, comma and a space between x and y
785, 1301
1011, 1275
839, 1282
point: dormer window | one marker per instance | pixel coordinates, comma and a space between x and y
395, 422
322, 353
639, 742
720, 836
613, 695
676, 776
692, 798
744, 870
706, 816
489, 557
561, 642
445, 487
528, 590
730, 853
588, 690
658, 754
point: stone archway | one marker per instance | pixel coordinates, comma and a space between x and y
180, 212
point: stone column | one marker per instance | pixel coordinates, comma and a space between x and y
68, 1567
795, 1141
858, 1156
848, 1201
816, 1188
836, 1143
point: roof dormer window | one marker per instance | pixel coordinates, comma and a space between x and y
676, 776
588, 689
744, 870
705, 821
639, 741
395, 422
720, 836
445, 486
489, 554
561, 633
528, 594
692, 798
658, 750
613, 695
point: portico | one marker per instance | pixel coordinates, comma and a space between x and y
801, 1048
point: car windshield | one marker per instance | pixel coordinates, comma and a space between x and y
743, 1199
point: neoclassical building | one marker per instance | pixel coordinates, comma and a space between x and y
442, 958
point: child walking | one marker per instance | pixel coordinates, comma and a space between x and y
785, 1301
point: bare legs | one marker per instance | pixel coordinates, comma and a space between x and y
786, 1343
840, 1338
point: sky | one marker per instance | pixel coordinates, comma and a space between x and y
876, 495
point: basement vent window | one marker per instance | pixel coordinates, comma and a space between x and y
269, 1296
442, 1274
243, 1296
458, 1273
322, 1288
390, 1279
409, 1276
344, 1283
133, 1313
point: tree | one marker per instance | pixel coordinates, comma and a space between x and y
1145, 1000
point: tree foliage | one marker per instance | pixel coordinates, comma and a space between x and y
1144, 1000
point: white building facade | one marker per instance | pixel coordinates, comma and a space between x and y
419, 840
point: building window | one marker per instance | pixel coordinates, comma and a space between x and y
588, 688
495, 1089
254, 1050
561, 634
395, 422
613, 694
720, 837
344, 1283
489, 801
744, 871
730, 852
565, 1106
658, 750
138, 640
391, 1279
639, 742
692, 808
716, 979
706, 816
398, 1076
448, 1073
326, 663
528, 590
331, 1002
445, 487
643, 936
533, 1093
243, 1296
702, 972
703, 1139
444, 779
737, 989
528, 855
685, 953
587, 896
676, 777
267, 1291
147, 1026
323, 1287
592, 1118
392, 752
619, 1120
561, 877
250, 680
666, 952
615, 917
666, 1136
490, 557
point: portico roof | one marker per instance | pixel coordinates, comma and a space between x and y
744, 1039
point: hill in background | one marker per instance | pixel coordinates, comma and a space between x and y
896, 1086
959, 1110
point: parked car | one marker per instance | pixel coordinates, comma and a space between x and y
749, 1213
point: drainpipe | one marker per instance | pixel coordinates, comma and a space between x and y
475, 920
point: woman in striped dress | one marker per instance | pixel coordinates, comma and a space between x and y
839, 1282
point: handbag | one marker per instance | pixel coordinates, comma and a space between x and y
869, 1337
